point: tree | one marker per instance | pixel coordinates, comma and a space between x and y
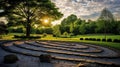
69, 20
107, 20
82, 28
56, 31
3, 28
29, 11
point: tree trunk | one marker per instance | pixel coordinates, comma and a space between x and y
28, 28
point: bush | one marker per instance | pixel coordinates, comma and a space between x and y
65, 35
109, 40
45, 58
11, 58
44, 34
116, 40
93, 39
81, 38
90, 38
54, 35
98, 39
103, 39
86, 38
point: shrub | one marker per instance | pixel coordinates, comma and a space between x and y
109, 40
90, 38
54, 35
86, 38
44, 34
93, 39
65, 35
81, 38
98, 40
45, 58
116, 40
11, 58
103, 39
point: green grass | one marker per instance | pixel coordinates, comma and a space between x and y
74, 39
99, 36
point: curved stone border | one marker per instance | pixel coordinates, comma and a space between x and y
97, 51
60, 58
75, 54
62, 46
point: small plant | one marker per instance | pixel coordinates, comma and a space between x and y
11, 58
86, 38
93, 39
116, 40
98, 39
103, 39
65, 35
109, 40
45, 58
44, 34
81, 38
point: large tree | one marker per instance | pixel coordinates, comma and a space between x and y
29, 12
3, 28
105, 21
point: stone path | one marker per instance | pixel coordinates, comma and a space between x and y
64, 54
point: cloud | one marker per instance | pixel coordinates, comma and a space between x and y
87, 9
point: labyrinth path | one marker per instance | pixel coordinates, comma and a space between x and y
64, 54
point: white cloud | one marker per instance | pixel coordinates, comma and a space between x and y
83, 8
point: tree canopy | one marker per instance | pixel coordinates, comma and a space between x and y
29, 12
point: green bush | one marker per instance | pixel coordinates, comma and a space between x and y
86, 38
44, 34
81, 39
65, 35
116, 40
103, 39
93, 39
98, 40
109, 40
11, 58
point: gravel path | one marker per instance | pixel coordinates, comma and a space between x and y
63, 50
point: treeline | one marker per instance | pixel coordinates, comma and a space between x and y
77, 26
72, 25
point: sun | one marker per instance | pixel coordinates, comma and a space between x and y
46, 21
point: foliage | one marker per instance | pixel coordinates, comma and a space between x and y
56, 31
82, 28
3, 28
70, 19
65, 35
16, 30
44, 34
28, 12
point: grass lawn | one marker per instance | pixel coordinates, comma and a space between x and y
75, 39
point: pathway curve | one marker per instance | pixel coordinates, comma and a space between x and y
64, 54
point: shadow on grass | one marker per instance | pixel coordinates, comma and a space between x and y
22, 37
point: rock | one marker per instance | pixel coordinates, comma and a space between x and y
10, 59
45, 58
81, 65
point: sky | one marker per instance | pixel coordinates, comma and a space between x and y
87, 9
